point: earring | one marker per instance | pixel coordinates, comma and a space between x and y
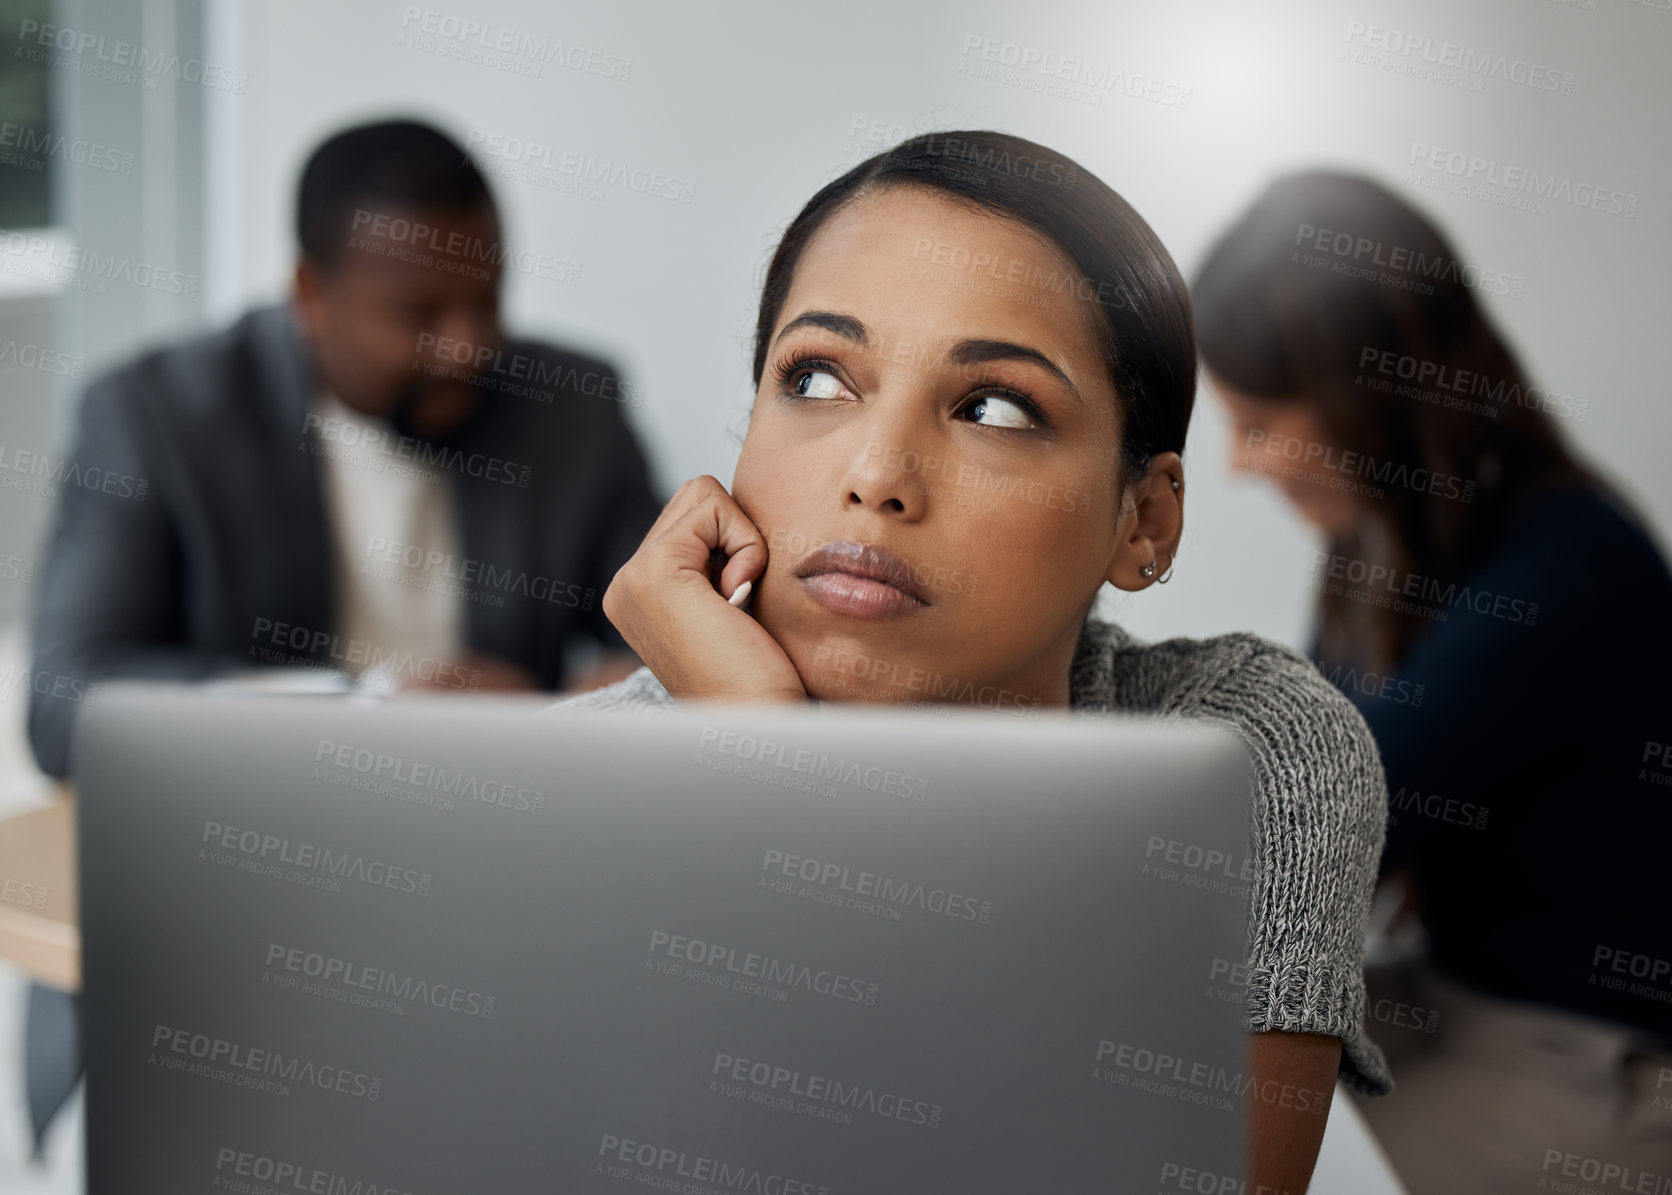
1147, 571
1176, 485
1166, 576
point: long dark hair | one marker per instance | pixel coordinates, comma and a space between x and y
1332, 290
1146, 328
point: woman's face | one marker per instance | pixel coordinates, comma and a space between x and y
1286, 443
929, 395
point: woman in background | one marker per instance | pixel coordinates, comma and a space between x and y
974, 361
1500, 618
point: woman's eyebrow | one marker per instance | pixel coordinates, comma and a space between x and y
978, 352
844, 326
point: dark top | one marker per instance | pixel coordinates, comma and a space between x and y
192, 536
1530, 775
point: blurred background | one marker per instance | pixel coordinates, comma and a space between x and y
146, 194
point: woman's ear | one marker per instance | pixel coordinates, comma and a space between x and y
1150, 524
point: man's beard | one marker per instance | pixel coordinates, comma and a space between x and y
402, 417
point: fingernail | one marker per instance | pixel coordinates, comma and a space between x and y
741, 593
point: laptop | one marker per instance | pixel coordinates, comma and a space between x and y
345, 945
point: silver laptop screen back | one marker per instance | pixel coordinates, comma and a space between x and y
444, 946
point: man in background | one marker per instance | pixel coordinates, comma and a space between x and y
370, 479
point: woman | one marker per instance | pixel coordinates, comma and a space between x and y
1499, 617
974, 368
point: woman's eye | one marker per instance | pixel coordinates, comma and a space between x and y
817, 383
1005, 413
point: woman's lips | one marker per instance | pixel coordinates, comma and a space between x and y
844, 593
861, 580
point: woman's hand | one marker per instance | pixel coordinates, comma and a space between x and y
664, 603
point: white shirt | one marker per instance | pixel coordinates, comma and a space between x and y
395, 542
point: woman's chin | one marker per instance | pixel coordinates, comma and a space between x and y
839, 674
860, 662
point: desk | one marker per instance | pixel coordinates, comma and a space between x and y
38, 930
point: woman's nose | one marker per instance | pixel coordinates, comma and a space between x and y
887, 479
888, 472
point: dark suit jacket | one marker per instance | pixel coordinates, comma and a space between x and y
198, 525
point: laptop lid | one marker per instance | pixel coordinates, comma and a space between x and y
447, 945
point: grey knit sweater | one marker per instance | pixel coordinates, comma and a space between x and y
1316, 824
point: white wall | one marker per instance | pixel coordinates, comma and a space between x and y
755, 103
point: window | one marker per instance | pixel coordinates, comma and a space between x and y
26, 124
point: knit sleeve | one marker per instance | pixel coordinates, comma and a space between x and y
639, 692
1316, 824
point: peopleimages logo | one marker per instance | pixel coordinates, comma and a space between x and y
940, 692
83, 53
784, 868
1349, 463
1432, 805
223, 1060
419, 774
412, 989
42, 145
661, 1165
1206, 1182
1401, 584
1065, 75
1372, 684
518, 43
481, 574
1499, 392
1123, 1065
1199, 858
961, 475
1473, 173
494, 367
770, 1081
1659, 758
37, 256
34, 356
730, 961
583, 168
1613, 1175
48, 684
265, 851
453, 251
1413, 265
1653, 974
1023, 272
437, 457
22, 892
814, 764
1488, 64
285, 1175
306, 646
37, 473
